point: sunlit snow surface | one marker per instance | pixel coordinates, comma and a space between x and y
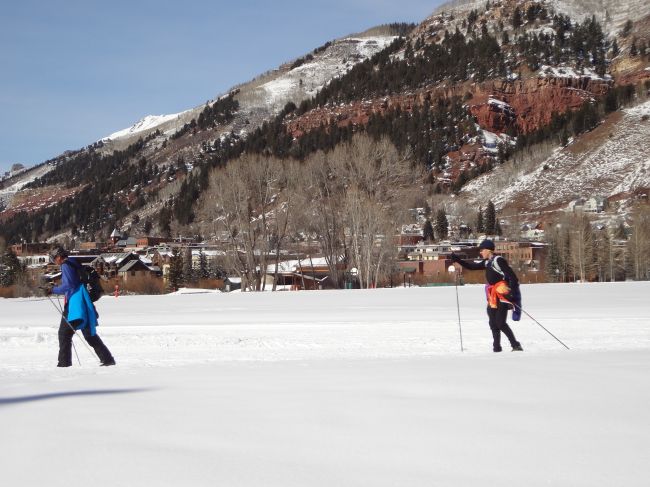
332, 388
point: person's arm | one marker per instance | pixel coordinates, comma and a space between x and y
468, 264
68, 279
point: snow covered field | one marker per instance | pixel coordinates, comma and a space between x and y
332, 388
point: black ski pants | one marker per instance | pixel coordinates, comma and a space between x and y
499, 325
65, 343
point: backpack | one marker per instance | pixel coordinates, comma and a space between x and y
89, 277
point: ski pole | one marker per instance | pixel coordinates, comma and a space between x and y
527, 314
452, 269
74, 332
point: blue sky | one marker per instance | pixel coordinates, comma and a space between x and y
74, 71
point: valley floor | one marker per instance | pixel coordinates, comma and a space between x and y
345, 388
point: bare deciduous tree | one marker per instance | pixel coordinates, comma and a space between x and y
638, 246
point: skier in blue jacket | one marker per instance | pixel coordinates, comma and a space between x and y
78, 313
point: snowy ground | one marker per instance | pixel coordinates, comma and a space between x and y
340, 388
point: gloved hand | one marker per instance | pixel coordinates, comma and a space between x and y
47, 290
454, 257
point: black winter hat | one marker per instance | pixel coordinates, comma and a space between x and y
58, 251
486, 244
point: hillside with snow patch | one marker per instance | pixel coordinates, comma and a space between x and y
611, 161
11, 186
613, 12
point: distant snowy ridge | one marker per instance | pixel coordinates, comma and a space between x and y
263, 98
147, 123
309, 78
615, 11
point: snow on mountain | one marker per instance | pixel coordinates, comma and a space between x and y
614, 12
265, 96
307, 79
570, 72
144, 125
611, 160
12, 185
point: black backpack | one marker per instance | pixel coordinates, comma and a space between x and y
89, 277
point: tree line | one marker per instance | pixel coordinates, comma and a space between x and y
349, 199
579, 251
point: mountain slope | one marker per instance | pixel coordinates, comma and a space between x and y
613, 12
612, 161
263, 97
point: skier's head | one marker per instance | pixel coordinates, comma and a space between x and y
58, 253
485, 248
486, 244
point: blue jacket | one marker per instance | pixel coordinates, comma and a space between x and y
81, 310
69, 278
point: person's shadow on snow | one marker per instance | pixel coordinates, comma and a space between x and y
6, 401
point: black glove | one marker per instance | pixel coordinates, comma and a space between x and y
454, 257
47, 290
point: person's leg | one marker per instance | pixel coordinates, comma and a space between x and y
100, 348
496, 333
65, 342
501, 316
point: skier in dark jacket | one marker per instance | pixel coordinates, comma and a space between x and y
501, 290
71, 285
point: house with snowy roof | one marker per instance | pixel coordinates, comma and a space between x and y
307, 273
134, 269
111, 263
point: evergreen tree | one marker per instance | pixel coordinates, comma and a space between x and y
516, 18
10, 268
627, 28
427, 231
164, 221
553, 264
204, 272
564, 138
480, 226
175, 269
490, 219
442, 225
188, 268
